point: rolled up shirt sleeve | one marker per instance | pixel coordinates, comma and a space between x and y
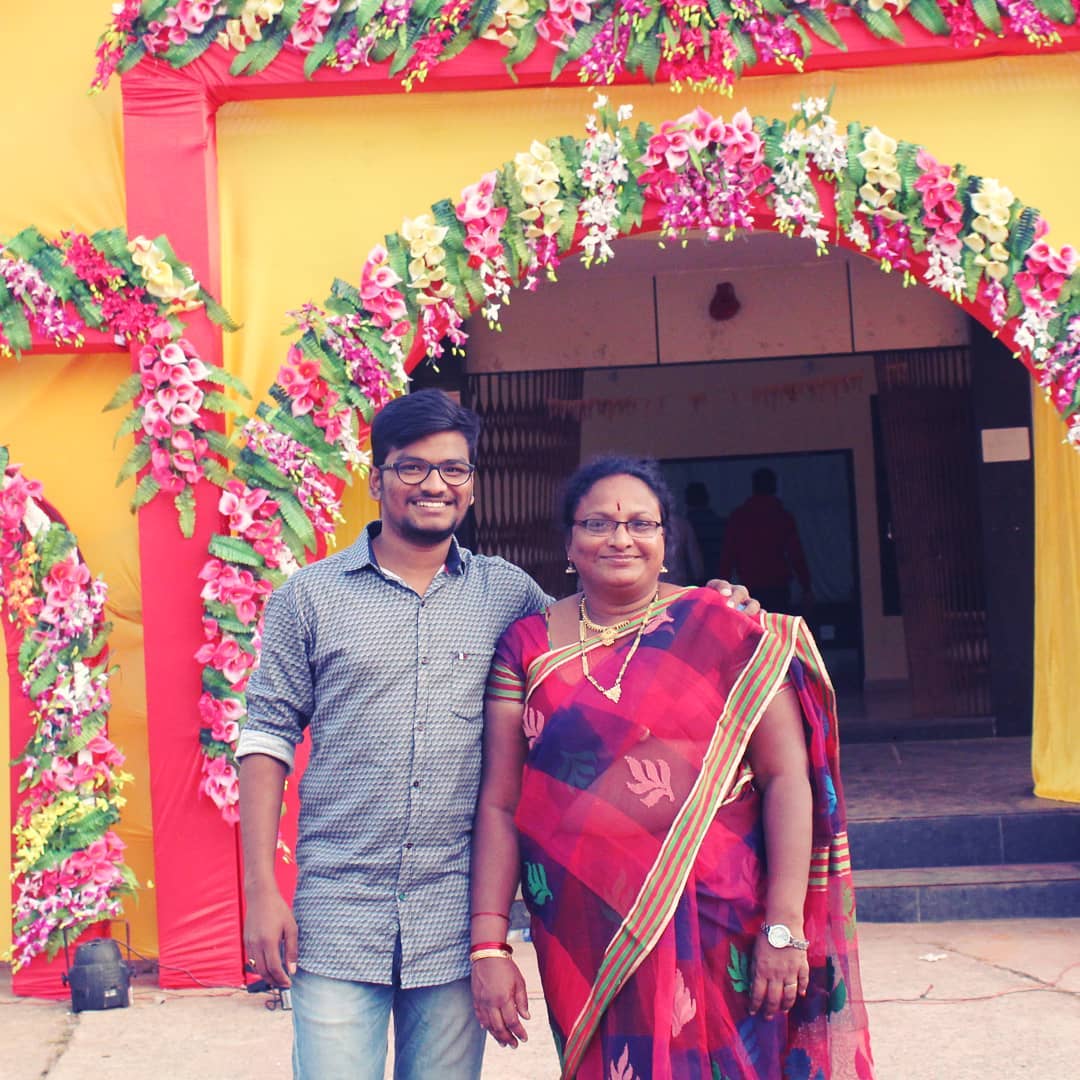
280, 695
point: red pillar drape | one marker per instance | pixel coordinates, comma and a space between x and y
171, 178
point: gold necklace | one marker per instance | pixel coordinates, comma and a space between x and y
608, 634
614, 692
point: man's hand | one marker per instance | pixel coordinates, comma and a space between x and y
737, 595
270, 936
500, 999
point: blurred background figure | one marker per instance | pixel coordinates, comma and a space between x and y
683, 557
708, 526
762, 550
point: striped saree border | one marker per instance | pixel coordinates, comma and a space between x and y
662, 889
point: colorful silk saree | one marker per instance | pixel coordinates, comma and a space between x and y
642, 849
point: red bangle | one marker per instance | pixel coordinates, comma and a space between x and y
493, 914
500, 945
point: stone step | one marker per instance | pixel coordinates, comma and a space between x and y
946, 893
966, 840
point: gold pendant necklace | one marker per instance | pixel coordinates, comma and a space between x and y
614, 692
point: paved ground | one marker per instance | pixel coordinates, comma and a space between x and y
948, 1001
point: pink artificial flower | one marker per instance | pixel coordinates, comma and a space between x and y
241, 503
476, 201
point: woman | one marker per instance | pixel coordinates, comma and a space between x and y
663, 771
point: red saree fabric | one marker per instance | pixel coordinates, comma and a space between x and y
644, 922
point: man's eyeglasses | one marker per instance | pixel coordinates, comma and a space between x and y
640, 528
415, 471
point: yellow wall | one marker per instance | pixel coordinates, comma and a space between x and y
308, 187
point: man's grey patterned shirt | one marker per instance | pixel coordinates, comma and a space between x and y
390, 687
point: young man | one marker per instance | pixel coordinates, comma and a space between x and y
382, 651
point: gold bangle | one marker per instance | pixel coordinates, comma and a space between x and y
488, 954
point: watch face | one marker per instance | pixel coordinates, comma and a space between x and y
779, 936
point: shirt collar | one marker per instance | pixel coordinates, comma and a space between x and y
360, 555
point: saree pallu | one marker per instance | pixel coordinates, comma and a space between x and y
643, 850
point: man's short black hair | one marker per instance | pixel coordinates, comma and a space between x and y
415, 416
763, 482
580, 481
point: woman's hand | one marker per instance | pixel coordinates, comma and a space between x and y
777, 977
500, 999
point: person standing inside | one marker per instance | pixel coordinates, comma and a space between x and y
707, 524
762, 547
380, 654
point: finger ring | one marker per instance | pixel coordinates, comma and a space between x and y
789, 985
251, 962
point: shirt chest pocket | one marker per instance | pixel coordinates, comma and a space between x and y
468, 674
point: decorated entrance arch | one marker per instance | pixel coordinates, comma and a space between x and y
965, 236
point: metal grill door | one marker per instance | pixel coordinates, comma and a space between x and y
928, 432
530, 442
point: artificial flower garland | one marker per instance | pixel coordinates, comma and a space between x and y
686, 42
68, 866
135, 290
963, 235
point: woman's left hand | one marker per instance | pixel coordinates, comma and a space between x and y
777, 977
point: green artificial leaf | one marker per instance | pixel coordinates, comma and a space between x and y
13, 322
1022, 235
259, 54
145, 490
644, 55
26, 244
44, 680
232, 549
321, 52
745, 53
577, 48
1058, 11
185, 508
217, 402
127, 391
880, 24
221, 444
132, 422
57, 543
929, 14
987, 10
5, 457
526, 43
296, 519
217, 314
821, 27
138, 459
739, 970
403, 53
221, 377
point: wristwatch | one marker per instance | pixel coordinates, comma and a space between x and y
780, 937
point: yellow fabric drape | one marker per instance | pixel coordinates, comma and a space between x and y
1055, 749
51, 418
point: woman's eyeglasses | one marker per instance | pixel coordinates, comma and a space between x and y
640, 528
414, 471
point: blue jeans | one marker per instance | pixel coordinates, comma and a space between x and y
340, 1030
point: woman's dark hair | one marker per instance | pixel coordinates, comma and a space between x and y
579, 482
417, 415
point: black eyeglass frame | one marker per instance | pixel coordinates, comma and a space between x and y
613, 527
431, 467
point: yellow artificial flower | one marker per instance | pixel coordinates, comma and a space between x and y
994, 201
424, 237
880, 152
993, 231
